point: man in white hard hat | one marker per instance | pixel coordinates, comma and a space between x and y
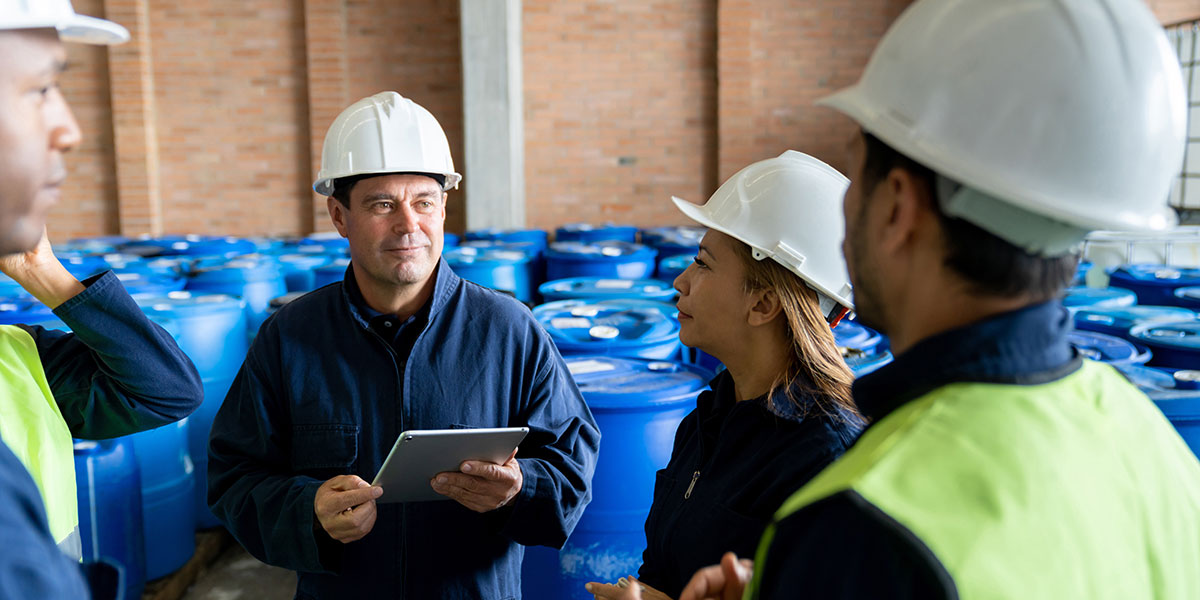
401, 344
117, 374
999, 463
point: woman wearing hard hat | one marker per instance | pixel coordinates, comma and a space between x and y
760, 297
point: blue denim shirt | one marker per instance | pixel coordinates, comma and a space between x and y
324, 393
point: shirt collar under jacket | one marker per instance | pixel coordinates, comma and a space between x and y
1027, 346
444, 283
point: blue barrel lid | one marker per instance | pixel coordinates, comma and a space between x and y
536, 237
613, 322
862, 363
245, 269
449, 240
616, 382
1125, 317
185, 303
849, 334
1177, 405
108, 240
23, 310
1189, 295
605, 287
1105, 348
330, 240
144, 283
604, 251
1085, 296
680, 236
587, 231
302, 261
673, 266
488, 254
83, 267
1157, 275
1183, 335
1147, 378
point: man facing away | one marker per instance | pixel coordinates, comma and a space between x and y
401, 344
999, 463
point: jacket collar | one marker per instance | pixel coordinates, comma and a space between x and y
1027, 346
445, 282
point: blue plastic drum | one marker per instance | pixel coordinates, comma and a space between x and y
861, 363
1155, 284
598, 288
672, 241
256, 281
672, 267
534, 237
1175, 345
849, 334
630, 328
331, 241
168, 497
23, 310
109, 486
212, 332
82, 267
1188, 297
1106, 348
617, 260
333, 272
590, 234
299, 270
1182, 409
1080, 297
449, 240
1119, 320
509, 268
638, 405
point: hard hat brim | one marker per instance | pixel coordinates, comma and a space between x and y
82, 29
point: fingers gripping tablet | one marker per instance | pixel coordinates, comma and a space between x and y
419, 455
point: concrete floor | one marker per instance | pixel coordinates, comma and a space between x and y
238, 576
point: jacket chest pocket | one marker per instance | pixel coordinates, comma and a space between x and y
325, 451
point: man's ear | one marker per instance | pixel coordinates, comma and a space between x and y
765, 308
904, 201
337, 214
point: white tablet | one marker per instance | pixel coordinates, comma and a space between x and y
419, 455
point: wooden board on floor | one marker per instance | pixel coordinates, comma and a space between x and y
209, 545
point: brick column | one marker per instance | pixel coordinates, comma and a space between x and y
139, 203
325, 34
735, 89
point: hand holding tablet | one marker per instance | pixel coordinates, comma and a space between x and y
420, 457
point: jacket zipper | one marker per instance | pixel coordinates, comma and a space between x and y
691, 486
403, 506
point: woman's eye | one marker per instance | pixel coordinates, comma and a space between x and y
699, 263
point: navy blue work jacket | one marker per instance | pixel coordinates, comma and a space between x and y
325, 391
733, 465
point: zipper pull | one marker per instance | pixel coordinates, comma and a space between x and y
688, 493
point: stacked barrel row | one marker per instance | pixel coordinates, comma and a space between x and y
1145, 322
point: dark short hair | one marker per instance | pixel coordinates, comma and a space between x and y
990, 265
343, 186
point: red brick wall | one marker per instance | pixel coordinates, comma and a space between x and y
626, 102
619, 109
232, 124
776, 57
414, 48
1174, 11
89, 199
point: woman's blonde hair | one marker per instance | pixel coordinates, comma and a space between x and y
815, 364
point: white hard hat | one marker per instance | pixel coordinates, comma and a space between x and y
789, 209
59, 15
1069, 111
384, 133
